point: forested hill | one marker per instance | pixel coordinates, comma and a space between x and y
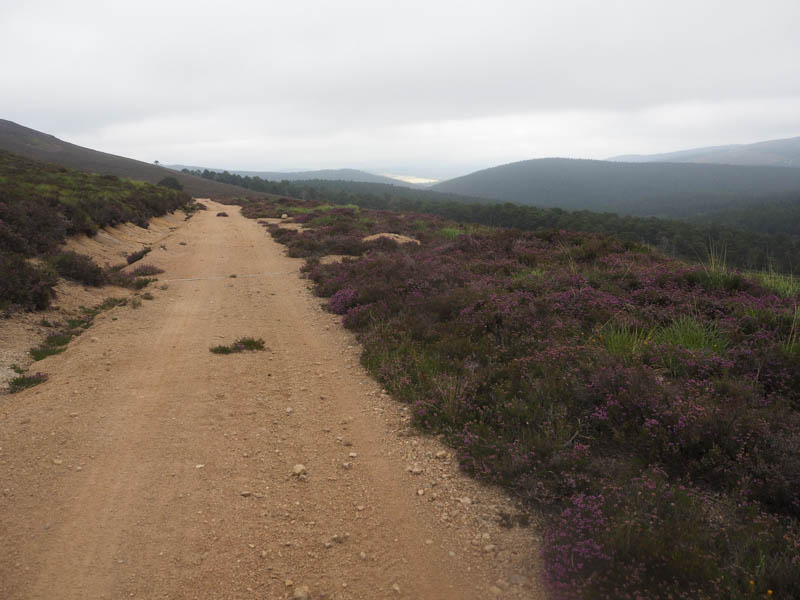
323, 174
647, 189
41, 146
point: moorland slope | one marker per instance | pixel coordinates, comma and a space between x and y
41, 146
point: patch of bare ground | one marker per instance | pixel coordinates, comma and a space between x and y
20, 331
148, 467
336, 258
285, 223
400, 239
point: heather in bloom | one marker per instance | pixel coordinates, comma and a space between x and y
649, 408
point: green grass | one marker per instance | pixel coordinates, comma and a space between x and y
54, 344
450, 232
785, 286
57, 342
689, 333
142, 282
792, 343
23, 382
240, 345
624, 342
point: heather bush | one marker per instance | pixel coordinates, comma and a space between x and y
138, 255
24, 284
652, 408
145, 270
78, 267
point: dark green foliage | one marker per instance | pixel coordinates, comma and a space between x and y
53, 344
240, 345
24, 382
172, 183
138, 255
24, 284
78, 267
142, 282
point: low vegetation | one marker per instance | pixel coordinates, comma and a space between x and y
137, 255
41, 204
650, 408
57, 342
146, 270
758, 248
240, 345
23, 382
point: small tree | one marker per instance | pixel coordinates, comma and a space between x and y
171, 182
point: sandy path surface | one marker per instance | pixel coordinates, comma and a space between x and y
147, 467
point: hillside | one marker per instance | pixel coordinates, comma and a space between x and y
41, 204
648, 189
354, 175
772, 153
41, 146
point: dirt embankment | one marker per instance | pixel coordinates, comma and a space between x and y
148, 467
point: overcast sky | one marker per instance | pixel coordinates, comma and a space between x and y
432, 88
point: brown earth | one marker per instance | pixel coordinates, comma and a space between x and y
400, 239
148, 467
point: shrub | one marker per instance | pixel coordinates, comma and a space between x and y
78, 267
145, 270
171, 182
24, 382
138, 255
53, 344
121, 278
142, 282
342, 301
24, 284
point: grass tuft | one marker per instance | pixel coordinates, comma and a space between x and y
23, 382
240, 345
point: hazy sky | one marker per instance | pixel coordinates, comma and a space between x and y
432, 88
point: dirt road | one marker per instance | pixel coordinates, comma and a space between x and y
148, 467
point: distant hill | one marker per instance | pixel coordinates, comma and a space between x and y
675, 190
772, 153
322, 174
41, 146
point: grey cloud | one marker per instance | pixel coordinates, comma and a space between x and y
387, 83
